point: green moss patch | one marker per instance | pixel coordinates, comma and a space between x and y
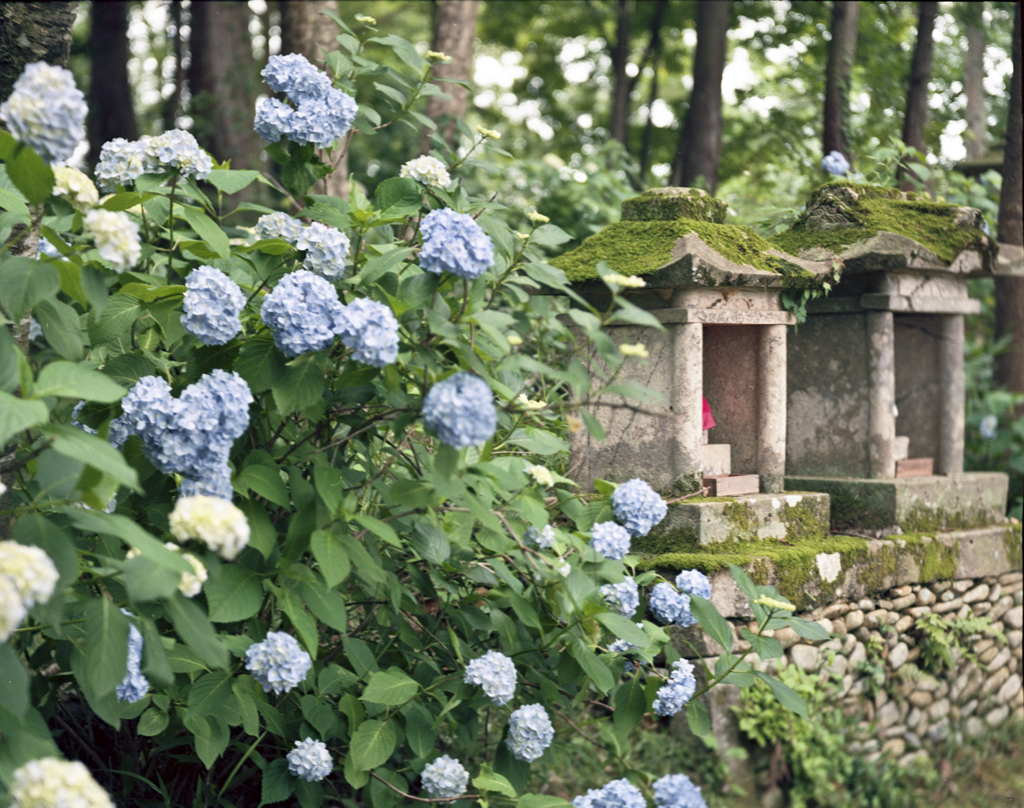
665, 204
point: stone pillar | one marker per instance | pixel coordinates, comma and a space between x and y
881, 394
951, 390
771, 408
687, 387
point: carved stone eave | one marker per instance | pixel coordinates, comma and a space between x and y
887, 251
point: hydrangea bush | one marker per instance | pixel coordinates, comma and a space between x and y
351, 416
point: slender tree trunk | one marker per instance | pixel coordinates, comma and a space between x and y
305, 30
841, 54
976, 136
1009, 371
915, 122
173, 105
700, 145
111, 113
619, 120
454, 30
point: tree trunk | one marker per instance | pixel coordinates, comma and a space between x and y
110, 101
454, 29
700, 145
915, 122
976, 136
305, 30
841, 54
620, 81
33, 32
1009, 371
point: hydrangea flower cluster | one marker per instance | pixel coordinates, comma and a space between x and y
46, 111
123, 161
212, 304
50, 782
303, 313
445, 778
623, 598
670, 606
623, 647
135, 684
78, 188
678, 690
310, 760
461, 411
453, 242
638, 507
616, 794
191, 435
215, 521
694, 582
116, 237
677, 791
326, 249
495, 673
278, 225
541, 475
370, 330
321, 115
427, 170
543, 538
988, 427
835, 163
610, 540
27, 577
278, 663
529, 732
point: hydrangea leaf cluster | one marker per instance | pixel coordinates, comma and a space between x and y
46, 111
495, 673
530, 732
622, 598
303, 313
638, 507
624, 647
454, 242
310, 760
610, 540
135, 684
680, 687
460, 410
445, 778
671, 607
278, 663
51, 783
326, 250
212, 305
217, 522
27, 577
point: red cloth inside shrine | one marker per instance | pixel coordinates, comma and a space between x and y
708, 420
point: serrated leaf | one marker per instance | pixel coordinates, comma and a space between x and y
786, 696
277, 783
371, 745
391, 687
75, 381
697, 717
331, 555
233, 593
16, 415
711, 621
26, 282
153, 722
207, 230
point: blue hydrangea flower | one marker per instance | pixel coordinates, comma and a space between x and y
278, 663
677, 791
135, 684
46, 111
453, 242
322, 121
622, 598
835, 163
461, 411
371, 331
623, 647
495, 673
322, 113
212, 304
310, 760
694, 582
616, 794
669, 606
75, 422
121, 162
445, 778
216, 484
988, 428
295, 76
278, 225
179, 150
273, 120
326, 249
529, 732
678, 690
638, 507
543, 538
303, 313
610, 540
46, 248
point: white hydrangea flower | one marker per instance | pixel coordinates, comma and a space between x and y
540, 475
12, 609
445, 778
215, 521
30, 570
116, 237
625, 281
428, 170
310, 760
529, 403
80, 190
55, 783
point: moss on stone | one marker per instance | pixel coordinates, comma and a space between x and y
931, 224
668, 204
932, 518
937, 561
742, 522
1012, 539
802, 523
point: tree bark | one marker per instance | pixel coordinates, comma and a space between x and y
841, 54
915, 122
33, 32
305, 30
454, 30
976, 135
110, 101
1009, 370
700, 146
618, 122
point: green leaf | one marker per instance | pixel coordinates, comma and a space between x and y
359, 655
398, 196
549, 235
260, 363
153, 722
233, 593
327, 604
405, 51
371, 745
492, 781
147, 580
598, 672
93, 451
697, 718
542, 801
16, 415
320, 714
431, 542
231, 181
747, 586
155, 662
623, 628
537, 441
330, 486
211, 693
195, 628
302, 384
305, 625
207, 230
27, 170
121, 527
75, 381
807, 628
333, 679
121, 313
630, 707
212, 736
446, 461
106, 645
277, 783
712, 622
764, 647
391, 687
265, 481
382, 530
786, 696
419, 729
14, 202
331, 555
13, 682
26, 282
61, 327
605, 488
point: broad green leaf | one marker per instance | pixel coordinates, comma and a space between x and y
747, 586
333, 679
26, 282
542, 801
211, 694
93, 451
787, 697
212, 736
764, 647
598, 672
14, 202
390, 687
327, 604
320, 714
153, 722
260, 363
302, 383
231, 181
207, 230
431, 542
147, 580
121, 527
697, 718
128, 368
16, 415
61, 327
630, 707
26, 169
807, 628
381, 530
194, 627
330, 486
419, 729
75, 381
233, 593
330, 554
155, 663
492, 781
371, 745
712, 622
290, 602
265, 481
398, 196
106, 645
623, 628
121, 313
359, 655
277, 783
13, 682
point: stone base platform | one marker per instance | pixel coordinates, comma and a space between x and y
915, 504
